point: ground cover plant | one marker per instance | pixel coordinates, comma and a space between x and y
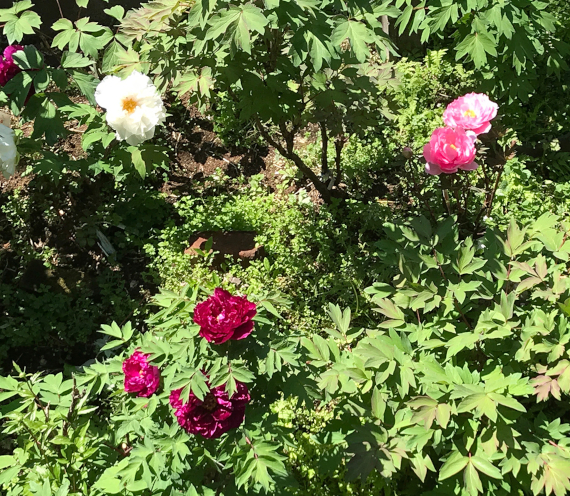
394, 317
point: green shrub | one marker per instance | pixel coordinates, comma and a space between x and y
465, 379
417, 100
512, 44
525, 197
462, 382
50, 317
305, 248
89, 438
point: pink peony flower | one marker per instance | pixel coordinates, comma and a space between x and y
140, 376
223, 316
448, 150
472, 112
8, 68
215, 415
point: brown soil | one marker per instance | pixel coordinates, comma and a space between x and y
199, 153
16, 182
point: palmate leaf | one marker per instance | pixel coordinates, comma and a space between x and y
87, 84
15, 26
236, 24
554, 477
319, 51
440, 17
261, 458
357, 33
193, 82
476, 46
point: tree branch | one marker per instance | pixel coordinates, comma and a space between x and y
298, 161
325, 147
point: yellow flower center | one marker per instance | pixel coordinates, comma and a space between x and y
454, 147
129, 104
469, 113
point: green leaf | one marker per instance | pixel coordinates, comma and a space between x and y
29, 58
109, 485
87, 84
477, 46
453, 465
482, 402
116, 12
16, 27
357, 34
378, 404
471, 479
112, 57
6, 461
507, 401
71, 60
8, 474
270, 308
237, 23
443, 414
138, 162
485, 466
112, 330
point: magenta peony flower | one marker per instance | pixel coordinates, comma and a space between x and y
448, 150
472, 112
8, 68
214, 416
223, 316
140, 376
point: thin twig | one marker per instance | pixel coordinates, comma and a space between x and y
324, 149
59, 7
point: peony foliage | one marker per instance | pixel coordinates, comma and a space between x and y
455, 377
457, 384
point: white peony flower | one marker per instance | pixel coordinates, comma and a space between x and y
134, 106
8, 151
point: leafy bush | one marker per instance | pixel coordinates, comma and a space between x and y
463, 380
305, 249
41, 94
525, 197
460, 382
416, 102
512, 44
88, 438
284, 66
54, 321
465, 374
57, 285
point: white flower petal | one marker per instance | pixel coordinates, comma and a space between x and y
134, 106
8, 151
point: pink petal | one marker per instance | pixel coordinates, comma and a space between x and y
484, 128
433, 169
427, 152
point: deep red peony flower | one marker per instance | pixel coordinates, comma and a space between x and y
214, 416
140, 376
223, 316
8, 68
